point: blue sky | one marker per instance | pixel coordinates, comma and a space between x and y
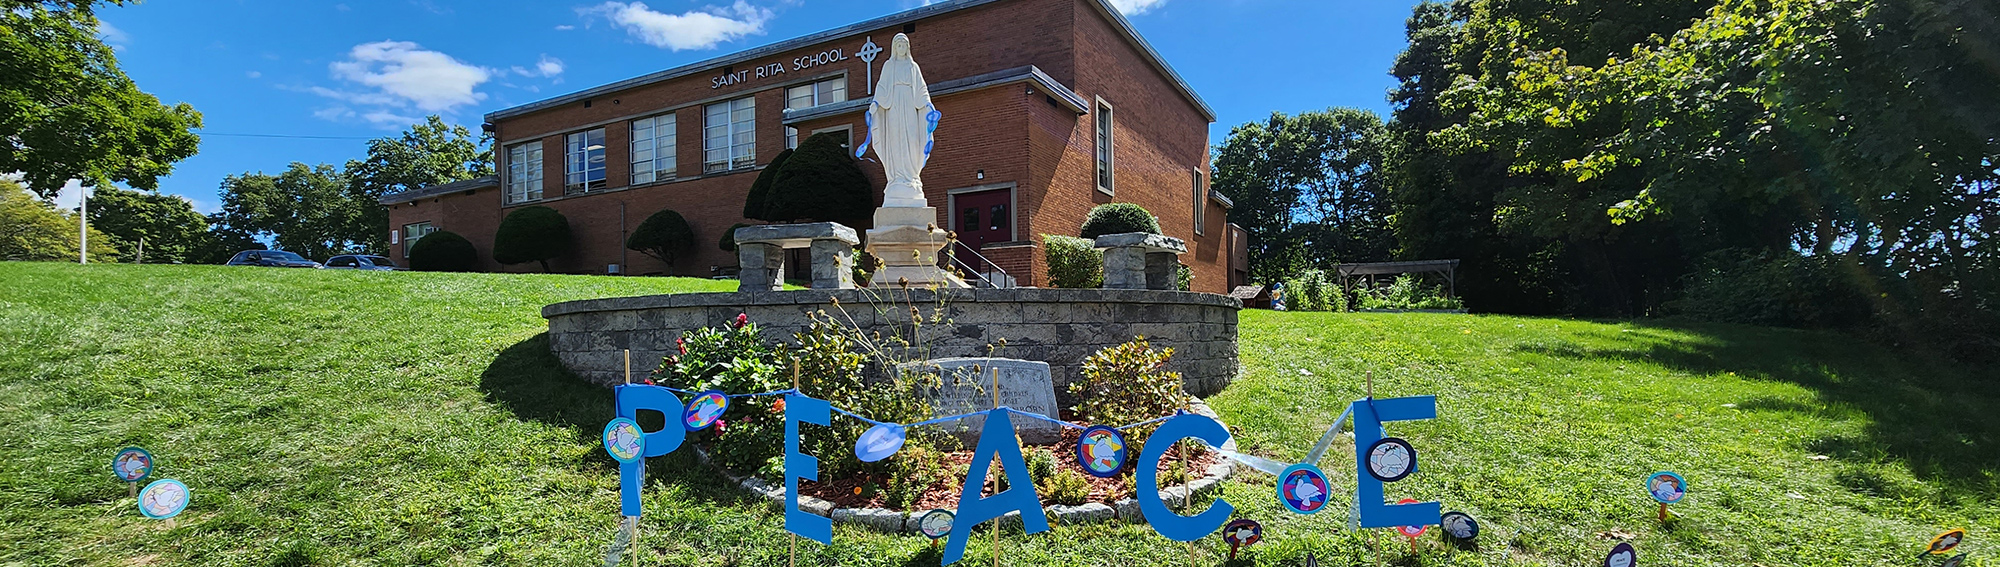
346, 72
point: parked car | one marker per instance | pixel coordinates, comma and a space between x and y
273, 259
362, 262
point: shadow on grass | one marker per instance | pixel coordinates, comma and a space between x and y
1923, 411
532, 383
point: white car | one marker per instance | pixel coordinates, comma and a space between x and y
360, 262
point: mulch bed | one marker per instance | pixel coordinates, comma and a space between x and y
847, 492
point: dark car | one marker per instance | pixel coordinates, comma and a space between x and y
271, 258
362, 262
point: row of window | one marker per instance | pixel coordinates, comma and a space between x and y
729, 141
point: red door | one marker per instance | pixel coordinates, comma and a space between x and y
982, 218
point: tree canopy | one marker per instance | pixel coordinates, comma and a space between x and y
304, 209
1308, 189
68, 112
427, 154
167, 225
33, 230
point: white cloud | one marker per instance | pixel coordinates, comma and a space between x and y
565, 27
112, 36
1136, 7
404, 74
696, 29
386, 119
253, 74
546, 67
334, 113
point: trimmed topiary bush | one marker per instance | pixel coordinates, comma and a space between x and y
728, 242
531, 234
1119, 218
1073, 262
661, 236
820, 182
758, 202
443, 251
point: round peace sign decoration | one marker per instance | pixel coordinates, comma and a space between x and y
879, 442
132, 464
1459, 526
1412, 532
1666, 487
163, 499
623, 440
704, 410
935, 524
1101, 451
1622, 556
1303, 489
1391, 459
1945, 542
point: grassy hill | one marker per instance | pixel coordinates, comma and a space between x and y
330, 418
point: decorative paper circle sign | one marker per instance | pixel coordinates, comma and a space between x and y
132, 464
163, 499
624, 440
1955, 561
1243, 532
1412, 532
1101, 451
1302, 488
935, 524
1666, 487
1459, 526
1622, 556
1945, 542
1391, 459
704, 410
879, 442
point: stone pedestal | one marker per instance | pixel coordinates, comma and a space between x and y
1140, 260
907, 241
760, 253
1024, 385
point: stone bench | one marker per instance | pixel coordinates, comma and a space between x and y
760, 253
1141, 260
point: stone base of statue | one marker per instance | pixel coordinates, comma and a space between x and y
907, 242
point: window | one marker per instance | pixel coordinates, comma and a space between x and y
1105, 178
524, 172
653, 149
1200, 203
342, 262
729, 137
810, 95
584, 161
416, 231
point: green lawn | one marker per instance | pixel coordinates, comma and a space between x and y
330, 418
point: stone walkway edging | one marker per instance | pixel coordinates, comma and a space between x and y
891, 521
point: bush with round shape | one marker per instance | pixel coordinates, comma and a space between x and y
1119, 218
531, 234
1074, 263
728, 242
662, 236
822, 182
758, 202
443, 251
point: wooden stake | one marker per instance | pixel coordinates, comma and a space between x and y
132, 489
633, 546
788, 535
1663, 511
1187, 491
1371, 384
628, 366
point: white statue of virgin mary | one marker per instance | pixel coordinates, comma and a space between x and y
900, 123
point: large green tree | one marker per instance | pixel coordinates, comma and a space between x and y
305, 209
68, 112
431, 153
33, 230
148, 227
1308, 188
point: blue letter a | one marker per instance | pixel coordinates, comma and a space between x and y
997, 439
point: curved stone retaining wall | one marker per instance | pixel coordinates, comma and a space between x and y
1057, 326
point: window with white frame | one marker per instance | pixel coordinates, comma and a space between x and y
653, 141
1105, 178
1200, 203
810, 95
414, 232
583, 154
524, 172
729, 135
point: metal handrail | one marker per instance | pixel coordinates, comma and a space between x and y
953, 257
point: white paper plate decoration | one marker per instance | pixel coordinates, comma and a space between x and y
163, 499
1391, 459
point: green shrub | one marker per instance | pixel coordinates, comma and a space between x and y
728, 242
1788, 289
759, 200
821, 181
1183, 278
830, 362
443, 251
1127, 383
1311, 291
662, 236
916, 469
531, 234
735, 360
1408, 293
1073, 262
1118, 218
1068, 488
1041, 465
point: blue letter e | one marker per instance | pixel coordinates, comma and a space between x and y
799, 408
630, 399
1170, 525
997, 439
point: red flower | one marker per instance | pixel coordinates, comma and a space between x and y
721, 427
778, 406
741, 320
682, 344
